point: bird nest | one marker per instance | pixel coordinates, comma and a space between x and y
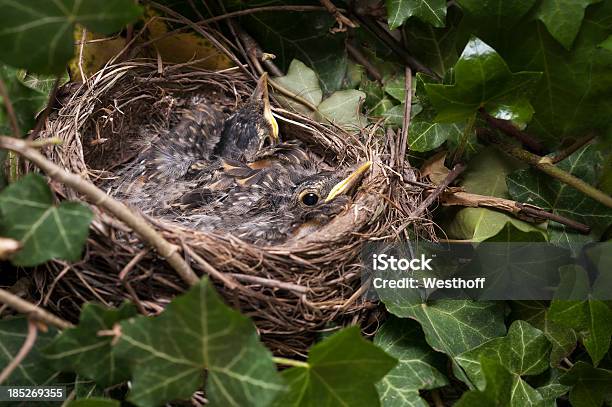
292, 291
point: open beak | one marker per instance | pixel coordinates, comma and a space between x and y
261, 94
345, 186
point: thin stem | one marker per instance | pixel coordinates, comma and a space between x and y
406, 119
358, 56
262, 9
543, 164
98, 197
511, 130
290, 362
27, 346
452, 175
10, 110
563, 154
31, 310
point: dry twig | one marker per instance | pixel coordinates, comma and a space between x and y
31, 310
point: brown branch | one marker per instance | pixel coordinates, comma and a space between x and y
98, 197
31, 310
566, 152
525, 212
511, 130
361, 59
341, 19
27, 346
403, 143
452, 175
543, 164
229, 282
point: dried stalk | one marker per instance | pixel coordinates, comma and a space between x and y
31, 310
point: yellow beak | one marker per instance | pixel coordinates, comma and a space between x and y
261, 94
344, 186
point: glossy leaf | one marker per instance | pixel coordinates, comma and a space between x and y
341, 371
83, 350
481, 79
27, 101
24, 24
563, 18
168, 354
428, 11
45, 230
590, 385
499, 384
419, 366
34, 369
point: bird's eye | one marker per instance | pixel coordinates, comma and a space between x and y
309, 198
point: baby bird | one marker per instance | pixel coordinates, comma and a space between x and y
166, 169
278, 206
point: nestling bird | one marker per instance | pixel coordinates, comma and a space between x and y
278, 206
166, 169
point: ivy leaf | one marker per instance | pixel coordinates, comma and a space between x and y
343, 108
428, 11
426, 136
589, 385
481, 79
454, 326
524, 351
83, 350
592, 319
27, 101
533, 187
486, 176
607, 43
563, 18
536, 313
583, 103
168, 354
419, 366
302, 81
499, 384
324, 381
45, 230
34, 369
434, 47
496, 15
24, 24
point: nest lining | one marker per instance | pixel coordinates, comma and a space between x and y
293, 290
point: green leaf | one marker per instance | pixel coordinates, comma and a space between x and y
168, 354
450, 326
26, 101
419, 366
343, 108
486, 176
482, 79
524, 351
589, 385
428, 11
563, 18
33, 370
592, 319
45, 230
499, 385
303, 36
341, 371
426, 136
95, 402
607, 43
496, 15
83, 350
584, 102
302, 81
435, 47
563, 340
25, 24
533, 187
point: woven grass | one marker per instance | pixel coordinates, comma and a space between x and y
292, 291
